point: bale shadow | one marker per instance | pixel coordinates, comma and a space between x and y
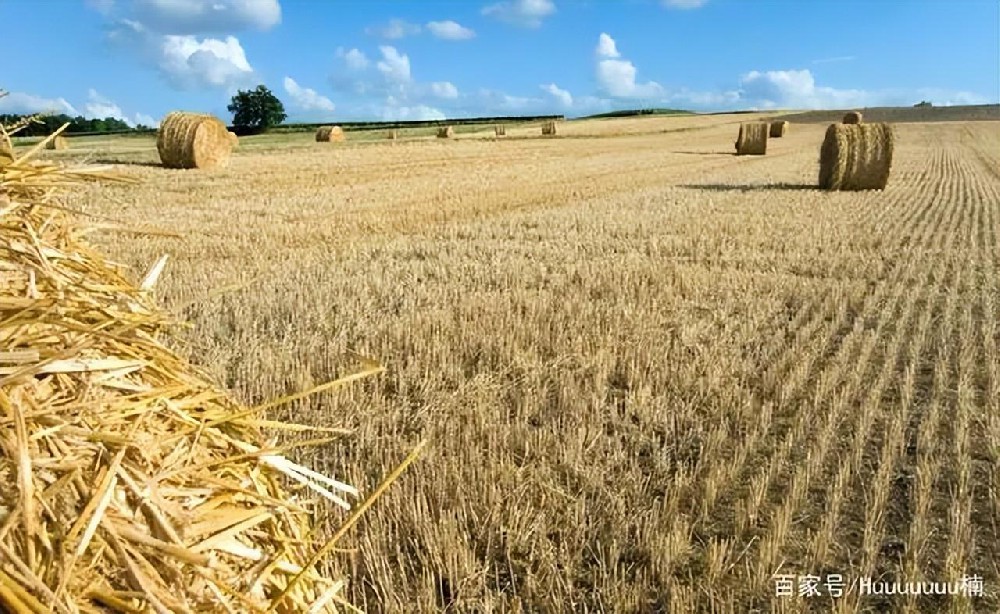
722, 187
704, 153
127, 162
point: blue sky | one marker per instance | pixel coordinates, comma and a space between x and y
399, 59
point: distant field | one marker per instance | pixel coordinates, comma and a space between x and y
653, 374
986, 112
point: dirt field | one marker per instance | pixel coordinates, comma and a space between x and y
653, 374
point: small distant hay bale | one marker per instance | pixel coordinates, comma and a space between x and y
446, 132
549, 128
329, 134
853, 117
778, 129
393, 135
856, 156
193, 140
58, 143
500, 130
752, 140
234, 140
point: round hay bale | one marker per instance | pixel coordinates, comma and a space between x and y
329, 134
853, 117
549, 128
233, 139
752, 140
778, 129
393, 135
446, 132
58, 143
856, 157
193, 140
500, 130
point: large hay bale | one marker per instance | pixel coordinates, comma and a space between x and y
131, 483
856, 157
329, 134
193, 140
500, 130
57, 143
778, 130
234, 140
852, 117
445, 132
752, 140
549, 128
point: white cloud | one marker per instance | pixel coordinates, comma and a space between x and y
146, 120
796, 89
684, 4
450, 30
306, 99
393, 30
209, 62
606, 47
394, 66
444, 89
353, 59
562, 96
523, 13
616, 77
395, 111
19, 103
207, 16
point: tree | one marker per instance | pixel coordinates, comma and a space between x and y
923, 103
256, 110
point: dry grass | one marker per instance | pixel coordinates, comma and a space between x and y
330, 134
852, 117
752, 139
193, 140
856, 157
652, 374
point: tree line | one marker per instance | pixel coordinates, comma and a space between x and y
47, 124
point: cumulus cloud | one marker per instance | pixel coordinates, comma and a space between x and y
796, 89
306, 99
208, 62
353, 58
450, 30
616, 76
444, 89
684, 4
207, 16
187, 61
394, 110
393, 30
101, 107
522, 13
560, 95
606, 47
20, 103
394, 66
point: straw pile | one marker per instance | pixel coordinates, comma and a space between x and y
500, 130
58, 143
6, 152
131, 483
853, 117
446, 132
329, 134
193, 140
752, 140
856, 157
233, 139
778, 129
549, 128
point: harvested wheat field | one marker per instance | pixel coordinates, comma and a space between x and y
653, 374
